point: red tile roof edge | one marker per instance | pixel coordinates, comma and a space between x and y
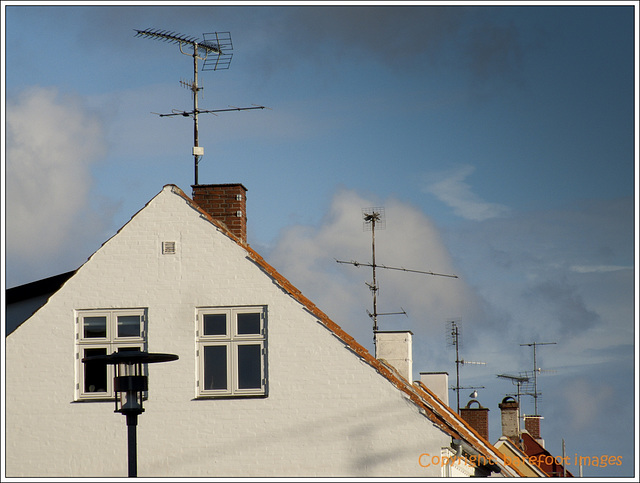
436, 410
540, 450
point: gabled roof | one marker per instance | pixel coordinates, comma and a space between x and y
434, 409
426, 401
504, 444
39, 287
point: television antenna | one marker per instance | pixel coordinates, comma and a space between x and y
536, 371
215, 53
519, 381
373, 217
454, 333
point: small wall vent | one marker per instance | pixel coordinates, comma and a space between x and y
168, 248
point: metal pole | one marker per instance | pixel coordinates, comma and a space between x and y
132, 422
535, 380
457, 368
195, 109
375, 286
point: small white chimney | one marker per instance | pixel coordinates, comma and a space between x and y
394, 347
437, 383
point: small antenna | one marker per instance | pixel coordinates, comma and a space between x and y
536, 371
518, 381
214, 52
454, 334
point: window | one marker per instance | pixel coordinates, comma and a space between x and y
231, 351
102, 332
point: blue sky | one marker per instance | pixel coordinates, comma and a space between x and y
499, 138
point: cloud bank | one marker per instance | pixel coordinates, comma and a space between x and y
52, 142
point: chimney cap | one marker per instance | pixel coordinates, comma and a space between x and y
508, 402
394, 332
212, 185
480, 406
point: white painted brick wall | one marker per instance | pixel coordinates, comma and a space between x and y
327, 412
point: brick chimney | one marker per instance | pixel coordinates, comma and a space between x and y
532, 425
510, 416
478, 418
395, 348
226, 203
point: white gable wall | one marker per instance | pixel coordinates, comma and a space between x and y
327, 413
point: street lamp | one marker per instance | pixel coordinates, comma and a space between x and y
129, 386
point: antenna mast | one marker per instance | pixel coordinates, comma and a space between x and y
214, 53
536, 369
372, 216
455, 335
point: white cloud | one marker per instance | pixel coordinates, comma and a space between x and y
52, 142
456, 193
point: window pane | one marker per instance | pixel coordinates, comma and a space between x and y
128, 326
215, 367
95, 374
248, 323
215, 324
249, 373
95, 326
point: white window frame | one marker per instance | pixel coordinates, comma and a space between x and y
111, 343
232, 340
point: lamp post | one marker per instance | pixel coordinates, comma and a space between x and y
129, 385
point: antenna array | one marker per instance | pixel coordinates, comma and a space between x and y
214, 52
454, 334
536, 371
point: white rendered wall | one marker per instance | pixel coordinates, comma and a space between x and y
327, 413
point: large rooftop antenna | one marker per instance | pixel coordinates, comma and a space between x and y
373, 217
214, 52
454, 333
536, 370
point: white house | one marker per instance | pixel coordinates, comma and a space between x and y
266, 385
